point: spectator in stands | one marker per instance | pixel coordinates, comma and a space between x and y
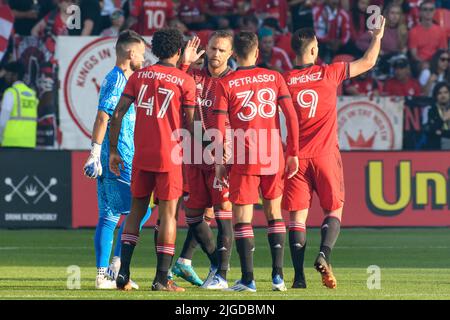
402, 84
410, 10
363, 85
360, 36
282, 38
28, 12
90, 19
192, 14
301, 14
426, 38
249, 23
117, 22
224, 14
54, 23
147, 16
277, 9
271, 57
396, 32
438, 124
18, 115
107, 8
439, 71
332, 27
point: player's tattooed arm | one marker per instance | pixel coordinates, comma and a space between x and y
370, 57
292, 137
116, 122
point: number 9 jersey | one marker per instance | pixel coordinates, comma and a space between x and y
314, 92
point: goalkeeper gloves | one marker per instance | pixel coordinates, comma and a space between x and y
93, 166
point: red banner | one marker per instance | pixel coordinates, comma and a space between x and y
383, 189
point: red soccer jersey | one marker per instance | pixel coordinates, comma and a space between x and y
277, 9
152, 15
394, 87
222, 7
190, 10
250, 97
160, 93
314, 91
206, 90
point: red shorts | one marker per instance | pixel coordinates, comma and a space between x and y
321, 174
166, 185
207, 192
244, 189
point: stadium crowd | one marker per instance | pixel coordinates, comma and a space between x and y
413, 61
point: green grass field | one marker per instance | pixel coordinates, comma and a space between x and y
415, 264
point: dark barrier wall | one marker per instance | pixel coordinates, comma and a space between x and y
35, 189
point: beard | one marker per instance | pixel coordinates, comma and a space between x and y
135, 65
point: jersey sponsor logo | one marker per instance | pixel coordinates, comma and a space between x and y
363, 125
84, 78
204, 102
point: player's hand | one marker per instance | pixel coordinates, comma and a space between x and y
378, 30
190, 54
93, 167
115, 161
222, 175
291, 166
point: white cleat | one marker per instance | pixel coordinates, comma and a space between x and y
240, 287
217, 283
209, 279
134, 285
113, 268
101, 282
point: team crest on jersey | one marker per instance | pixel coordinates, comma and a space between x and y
84, 78
364, 125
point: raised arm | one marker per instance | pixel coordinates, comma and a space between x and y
371, 55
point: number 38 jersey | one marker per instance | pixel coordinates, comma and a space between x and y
250, 97
160, 93
314, 92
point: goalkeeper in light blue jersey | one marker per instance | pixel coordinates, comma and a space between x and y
114, 195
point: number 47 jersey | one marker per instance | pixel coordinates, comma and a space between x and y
314, 92
160, 93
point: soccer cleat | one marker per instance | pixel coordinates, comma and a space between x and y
134, 285
123, 282
299, 284
102, 282
171, 286
113, 268
209, 278
187, 273
239, 287
278, 283
217, 283
322, 266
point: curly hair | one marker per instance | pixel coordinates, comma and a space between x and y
166, 43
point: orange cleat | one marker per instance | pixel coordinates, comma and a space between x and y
325, 270
171, 286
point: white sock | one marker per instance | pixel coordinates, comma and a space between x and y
101, 271
184, 261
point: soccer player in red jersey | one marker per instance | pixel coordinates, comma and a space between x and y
164, 97
147, 16
207, 192
313, 89
250, 97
